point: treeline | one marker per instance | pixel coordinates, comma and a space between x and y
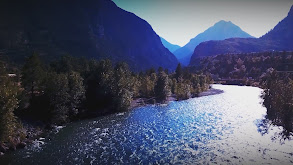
278, 98
10, 127
272, 71
72, 88
245, 65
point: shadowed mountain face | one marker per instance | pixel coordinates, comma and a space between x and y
169, 46
93, 28
220, 31
280, 38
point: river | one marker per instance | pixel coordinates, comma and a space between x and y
227, 128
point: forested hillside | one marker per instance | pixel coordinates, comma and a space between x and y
94, 29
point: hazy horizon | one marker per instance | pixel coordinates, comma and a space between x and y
179, 21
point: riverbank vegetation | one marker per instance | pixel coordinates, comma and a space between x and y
74, 88
278, 99
271, 71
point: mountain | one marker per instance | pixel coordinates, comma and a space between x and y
220, 31
279, 38
93, 28
169, 46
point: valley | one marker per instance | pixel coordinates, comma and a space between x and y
99, 82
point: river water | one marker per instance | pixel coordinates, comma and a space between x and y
227, 128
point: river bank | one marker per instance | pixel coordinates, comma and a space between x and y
28, 132
218, 129
211, 91
138, 102
37, 130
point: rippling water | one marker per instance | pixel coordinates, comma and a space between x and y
227, 128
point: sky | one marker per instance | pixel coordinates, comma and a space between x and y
180, 20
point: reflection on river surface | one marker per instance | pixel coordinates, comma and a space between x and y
227, 128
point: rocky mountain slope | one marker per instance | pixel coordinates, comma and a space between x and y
220, 31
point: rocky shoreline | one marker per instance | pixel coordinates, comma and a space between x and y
28, 133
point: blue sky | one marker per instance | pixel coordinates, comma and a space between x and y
180, 20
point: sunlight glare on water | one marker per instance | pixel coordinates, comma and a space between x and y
228, 128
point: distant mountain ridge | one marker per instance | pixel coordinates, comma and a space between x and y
93, 28
280, 38
169, 46
219, 31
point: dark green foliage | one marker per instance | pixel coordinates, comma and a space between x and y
122, 100
183, 91
278, 98
174, 85
76, 93
196, 85
246, 66
68, 64
162, 89
57, 91
160, 69
110, 88
8, 103
166, 71
147, 85
57, 95
178, 73
32, 76
65, 94
135, 84
99, 85
71, 87
191, 85
150, 71
122, 87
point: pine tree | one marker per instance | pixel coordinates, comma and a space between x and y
76, 92
57, 91
178, 73
146, 86
32, 76
160, 69
166, 71
162, 90
122, 85
150, 71
99, 83
195, 86
174, 85
183, 91
135, 85
8, 103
